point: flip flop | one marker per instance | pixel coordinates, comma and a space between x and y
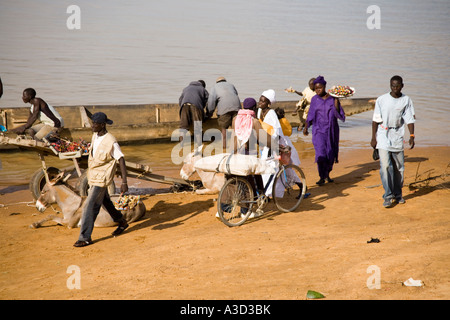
81, 243
121, 228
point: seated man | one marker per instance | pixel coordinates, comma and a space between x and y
248, 129
248, 133
49, 119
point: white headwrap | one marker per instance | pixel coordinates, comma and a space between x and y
269, 94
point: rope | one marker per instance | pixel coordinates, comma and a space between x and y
218, 165
12, 204
53, 208
29, 204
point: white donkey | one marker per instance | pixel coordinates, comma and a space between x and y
212, 181
71, 204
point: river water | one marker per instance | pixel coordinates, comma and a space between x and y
148, 51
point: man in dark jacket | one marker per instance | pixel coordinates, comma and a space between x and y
192, 103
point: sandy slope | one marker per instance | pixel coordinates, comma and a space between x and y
180, 251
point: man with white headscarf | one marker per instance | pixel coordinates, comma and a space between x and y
268, 116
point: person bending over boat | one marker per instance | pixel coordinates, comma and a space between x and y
225, 98
192, 103
49, 120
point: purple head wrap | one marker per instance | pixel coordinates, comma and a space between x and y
249, 103
321, 80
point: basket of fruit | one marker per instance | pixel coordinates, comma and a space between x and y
341, 91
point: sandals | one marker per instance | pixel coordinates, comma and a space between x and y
121, 228
321, 182
83, 243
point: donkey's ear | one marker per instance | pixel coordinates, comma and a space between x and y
55, 180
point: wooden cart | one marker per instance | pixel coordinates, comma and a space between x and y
45, 173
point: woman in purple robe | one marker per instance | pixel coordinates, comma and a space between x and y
323, 114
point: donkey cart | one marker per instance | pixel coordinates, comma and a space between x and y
80, 164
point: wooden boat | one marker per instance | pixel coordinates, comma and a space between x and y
144, 123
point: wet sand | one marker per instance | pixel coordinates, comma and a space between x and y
179, 250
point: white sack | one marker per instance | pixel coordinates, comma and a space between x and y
236, 164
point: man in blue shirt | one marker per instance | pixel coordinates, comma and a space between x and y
392, 111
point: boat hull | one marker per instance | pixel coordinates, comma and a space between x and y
145, 123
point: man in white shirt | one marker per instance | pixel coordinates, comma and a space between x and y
104, 154
302, 107
392, 111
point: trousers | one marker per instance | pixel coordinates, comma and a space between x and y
392, 167
188, 114
97, 196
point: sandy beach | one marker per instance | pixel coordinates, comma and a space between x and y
179, 250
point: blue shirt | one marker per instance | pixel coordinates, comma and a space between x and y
391, 114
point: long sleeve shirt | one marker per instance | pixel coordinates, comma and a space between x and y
225, 97
194, 94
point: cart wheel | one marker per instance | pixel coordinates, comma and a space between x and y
83, 186
38, 182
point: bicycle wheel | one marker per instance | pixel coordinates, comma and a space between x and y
289, 188
235, 201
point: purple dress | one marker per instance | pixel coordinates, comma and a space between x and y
323, 117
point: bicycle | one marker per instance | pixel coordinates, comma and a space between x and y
236, 198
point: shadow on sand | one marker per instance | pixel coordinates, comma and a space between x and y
163, 215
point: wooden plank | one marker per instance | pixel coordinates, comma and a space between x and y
158, 178
85, 123
4, 118
137, 167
